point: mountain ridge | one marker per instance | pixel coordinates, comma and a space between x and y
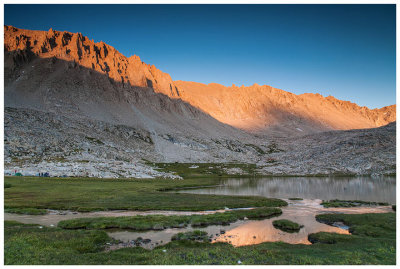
255, 108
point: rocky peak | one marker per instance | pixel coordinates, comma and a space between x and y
100, 57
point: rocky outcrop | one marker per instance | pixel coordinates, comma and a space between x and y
352, 152
78, 49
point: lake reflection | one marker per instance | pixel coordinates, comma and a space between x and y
351, 188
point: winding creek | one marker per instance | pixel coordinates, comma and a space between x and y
248, 232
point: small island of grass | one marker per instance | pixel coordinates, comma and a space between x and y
287, 225
195, 235
350, 203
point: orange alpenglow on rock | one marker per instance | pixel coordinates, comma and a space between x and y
98, 56
255, 108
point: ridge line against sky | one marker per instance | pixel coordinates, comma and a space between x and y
347, 51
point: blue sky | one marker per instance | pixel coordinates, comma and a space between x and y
347, 51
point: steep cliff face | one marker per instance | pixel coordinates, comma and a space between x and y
100, 57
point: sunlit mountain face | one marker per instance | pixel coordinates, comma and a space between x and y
255, 108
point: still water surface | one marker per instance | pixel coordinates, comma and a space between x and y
344, 188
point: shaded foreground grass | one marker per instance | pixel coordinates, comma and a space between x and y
160, 222
26, 244
350, 203
26, 211
287, 225
91, 194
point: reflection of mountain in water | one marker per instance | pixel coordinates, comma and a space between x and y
368, 189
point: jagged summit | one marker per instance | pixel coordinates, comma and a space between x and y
252, 108
98, 56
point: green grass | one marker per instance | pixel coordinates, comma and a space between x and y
295, 199
374, 225
206, 169
26, 211
139, 223
91, 194
160, 222
350, 203
7, 185
232, 216
195, 235
329, 238
287, 225
26, 244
